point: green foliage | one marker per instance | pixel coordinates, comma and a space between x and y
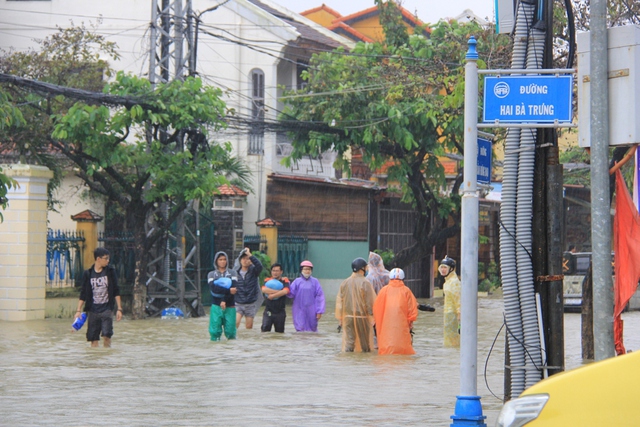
6, 184
491, 276
72, 57
119, 158
386, 255
266, 264
10, 117
484, 286
395, 32
401, 105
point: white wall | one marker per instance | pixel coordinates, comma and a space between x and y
221, 63
74, 198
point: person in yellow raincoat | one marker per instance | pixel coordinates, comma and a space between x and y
354, 309
451, 290
394, 312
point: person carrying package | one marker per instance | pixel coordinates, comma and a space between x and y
275, 288
354, 309
394, 312
222, 284
100, 295
249, 295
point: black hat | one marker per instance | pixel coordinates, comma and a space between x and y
358, 264
449, 261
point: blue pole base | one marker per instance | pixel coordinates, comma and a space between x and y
468, 412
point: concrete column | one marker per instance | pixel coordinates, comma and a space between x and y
23, 244
269, 229
87, 224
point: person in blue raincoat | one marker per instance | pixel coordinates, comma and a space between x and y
308, 300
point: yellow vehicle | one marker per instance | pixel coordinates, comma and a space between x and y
604, 393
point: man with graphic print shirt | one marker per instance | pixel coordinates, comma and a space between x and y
99, 295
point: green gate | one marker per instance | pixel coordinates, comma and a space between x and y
292, 250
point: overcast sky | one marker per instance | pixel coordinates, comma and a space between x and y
427, 10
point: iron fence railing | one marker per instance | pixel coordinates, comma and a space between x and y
64, 258
122, 254
292, 250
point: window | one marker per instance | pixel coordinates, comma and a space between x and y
256, 133
300, 83
227, 204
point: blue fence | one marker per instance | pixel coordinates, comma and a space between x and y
64, 258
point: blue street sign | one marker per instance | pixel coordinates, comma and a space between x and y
484, 161
528, 99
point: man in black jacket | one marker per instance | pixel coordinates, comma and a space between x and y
248, 290
99, 295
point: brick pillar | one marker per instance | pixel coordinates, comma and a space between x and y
23, 244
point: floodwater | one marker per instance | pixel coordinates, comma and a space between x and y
168, 373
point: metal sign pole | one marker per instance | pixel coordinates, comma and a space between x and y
468, 411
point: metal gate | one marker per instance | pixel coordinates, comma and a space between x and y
292, 250
396, 222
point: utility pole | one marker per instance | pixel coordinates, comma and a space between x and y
548, 208
171, 46
600, 206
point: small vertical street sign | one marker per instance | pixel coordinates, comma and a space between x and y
484, 161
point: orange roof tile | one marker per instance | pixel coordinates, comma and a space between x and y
268, 222
319, 8
87, 216
231, 190
352, 33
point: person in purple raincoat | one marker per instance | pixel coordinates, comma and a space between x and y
308, 300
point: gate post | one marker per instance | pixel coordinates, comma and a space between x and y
269, 229
87, 224
23, 244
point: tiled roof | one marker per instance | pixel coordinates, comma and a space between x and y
348, 31
343, 182
231, 190
343, 25
307, 33
87, 216
319, 8
268, 222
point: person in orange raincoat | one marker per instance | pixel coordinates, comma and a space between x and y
394, 311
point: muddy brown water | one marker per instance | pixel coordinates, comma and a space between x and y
168, 373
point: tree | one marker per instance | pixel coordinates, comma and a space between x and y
11, 117
140, 158
401, 104
141, 147
72, 57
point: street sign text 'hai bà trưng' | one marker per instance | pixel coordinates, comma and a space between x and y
528, 99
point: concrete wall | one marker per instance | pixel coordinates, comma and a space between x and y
23, 244
332, 262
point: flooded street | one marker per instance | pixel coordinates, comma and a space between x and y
167, 372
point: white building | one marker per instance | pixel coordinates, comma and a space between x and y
251, 49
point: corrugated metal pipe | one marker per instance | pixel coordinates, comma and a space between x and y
508, 257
